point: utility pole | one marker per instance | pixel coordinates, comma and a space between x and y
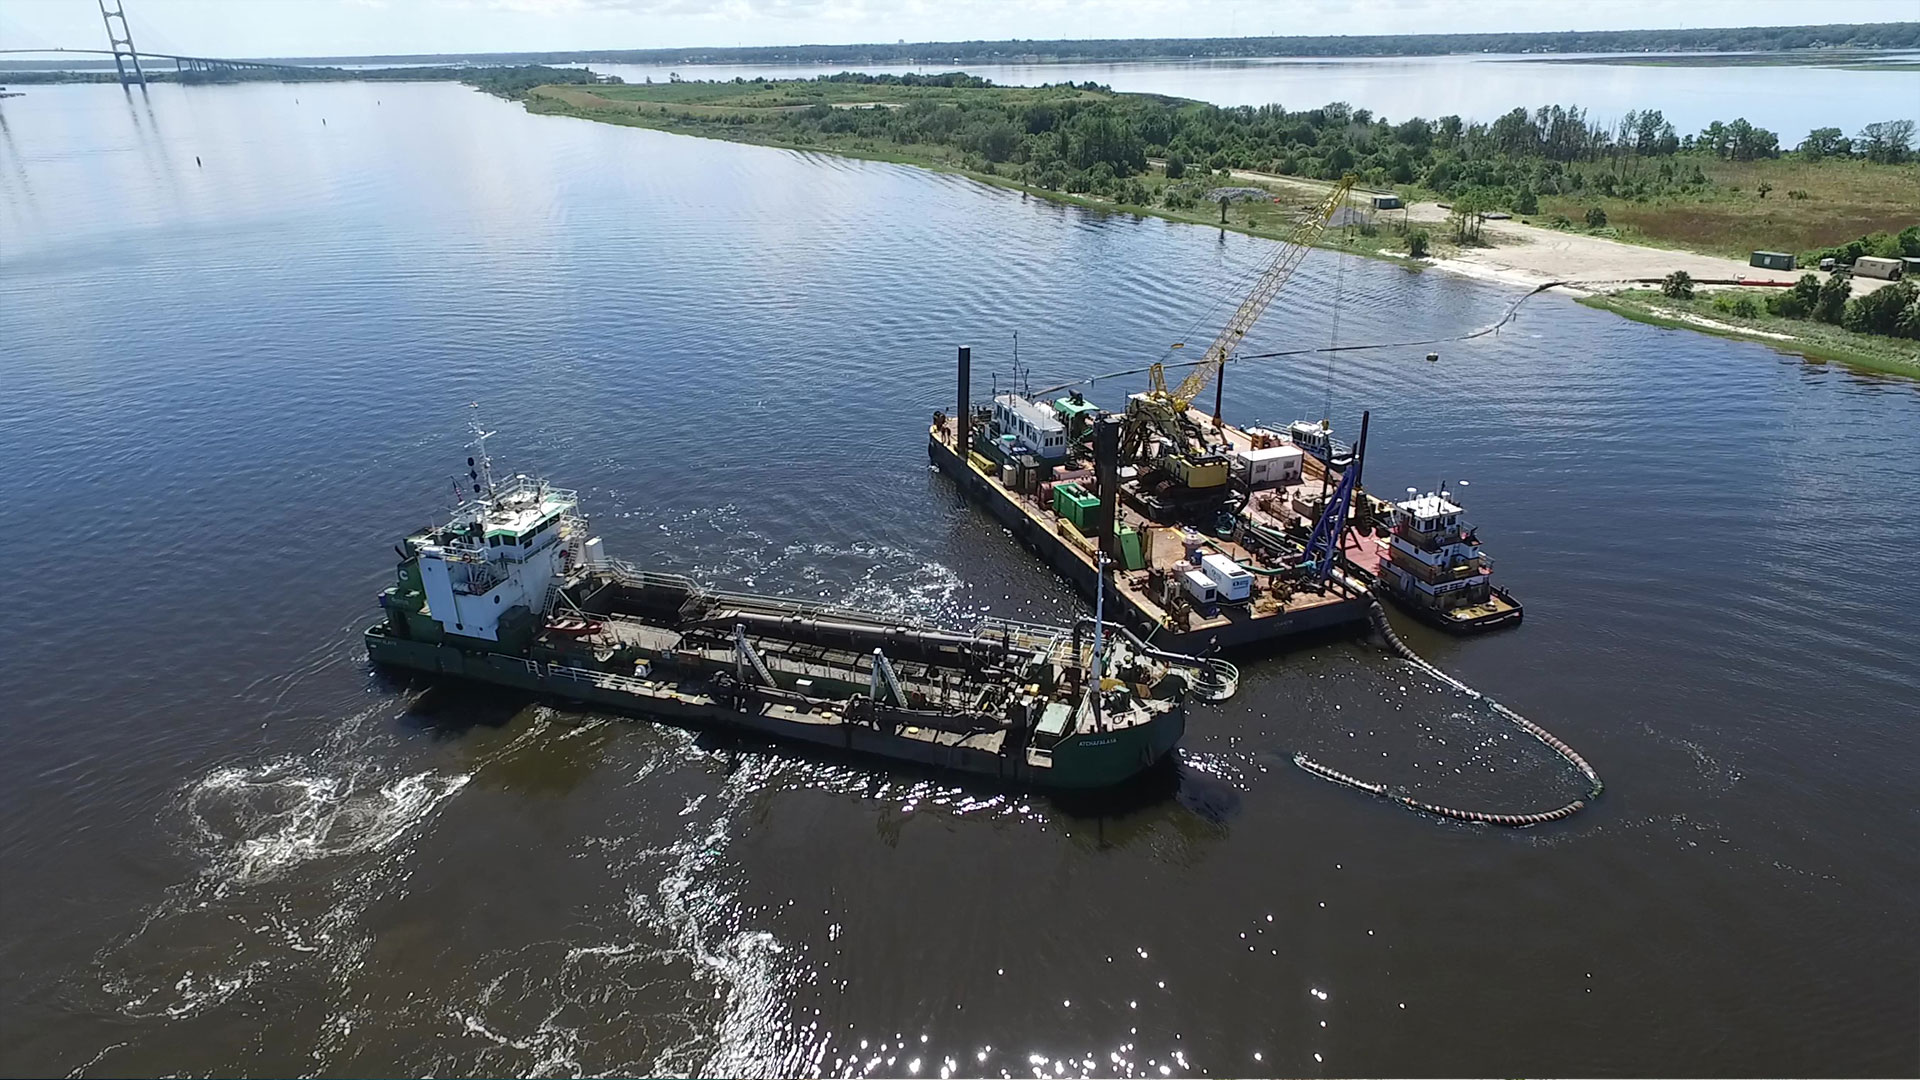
122, 43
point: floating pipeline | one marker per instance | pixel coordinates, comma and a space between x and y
1378, 616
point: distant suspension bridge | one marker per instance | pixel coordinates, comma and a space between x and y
127, 59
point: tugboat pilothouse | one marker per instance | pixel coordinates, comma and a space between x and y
1435, 569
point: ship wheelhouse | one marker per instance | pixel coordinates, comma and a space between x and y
505, 549
1034, 428
1316, 438
492, 572
1434, 556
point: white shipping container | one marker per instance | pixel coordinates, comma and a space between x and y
1270, 467
1230, 579
1199, 586
1875, 266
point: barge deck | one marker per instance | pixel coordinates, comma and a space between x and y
1272, 617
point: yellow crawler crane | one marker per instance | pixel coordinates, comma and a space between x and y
1163, 410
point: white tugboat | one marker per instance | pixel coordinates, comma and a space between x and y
1434, 567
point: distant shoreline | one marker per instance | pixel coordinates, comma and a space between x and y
1846, 59
1800, 40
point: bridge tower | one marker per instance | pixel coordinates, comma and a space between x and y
122, 42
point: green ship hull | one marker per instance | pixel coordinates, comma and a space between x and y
1079, 761
511, 591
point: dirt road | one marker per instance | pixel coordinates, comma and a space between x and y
1531, 256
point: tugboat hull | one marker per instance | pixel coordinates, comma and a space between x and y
1500, 610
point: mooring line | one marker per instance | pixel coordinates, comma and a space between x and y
1378, 616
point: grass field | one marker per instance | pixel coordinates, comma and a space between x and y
1814, 340
1844, 199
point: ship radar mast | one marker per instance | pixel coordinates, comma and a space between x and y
479, 464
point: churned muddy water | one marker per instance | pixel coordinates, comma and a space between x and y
229, 846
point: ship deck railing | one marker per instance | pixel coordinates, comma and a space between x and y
606, 680
521, 486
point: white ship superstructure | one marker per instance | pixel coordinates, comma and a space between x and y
1434, 565
509, 544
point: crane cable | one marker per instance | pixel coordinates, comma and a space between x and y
1333, 335
1512, 310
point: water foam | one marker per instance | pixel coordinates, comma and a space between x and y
695, 907
256, 823
250, 917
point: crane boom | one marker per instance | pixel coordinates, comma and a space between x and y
1292, 251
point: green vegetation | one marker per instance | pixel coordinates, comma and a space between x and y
1826, 199
1756, 315
1885, 245
1638, 179
1889, 311
514, 83
1074, 144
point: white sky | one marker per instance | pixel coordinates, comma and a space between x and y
241, 28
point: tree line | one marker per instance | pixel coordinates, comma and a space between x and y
1891, 310
1077, 141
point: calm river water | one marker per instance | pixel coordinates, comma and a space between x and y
239, 330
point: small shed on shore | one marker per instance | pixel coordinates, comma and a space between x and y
1387, 202
1772, 260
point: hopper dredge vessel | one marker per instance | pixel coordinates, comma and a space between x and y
511, 590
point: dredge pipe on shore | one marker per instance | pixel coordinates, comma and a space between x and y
1377, 615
